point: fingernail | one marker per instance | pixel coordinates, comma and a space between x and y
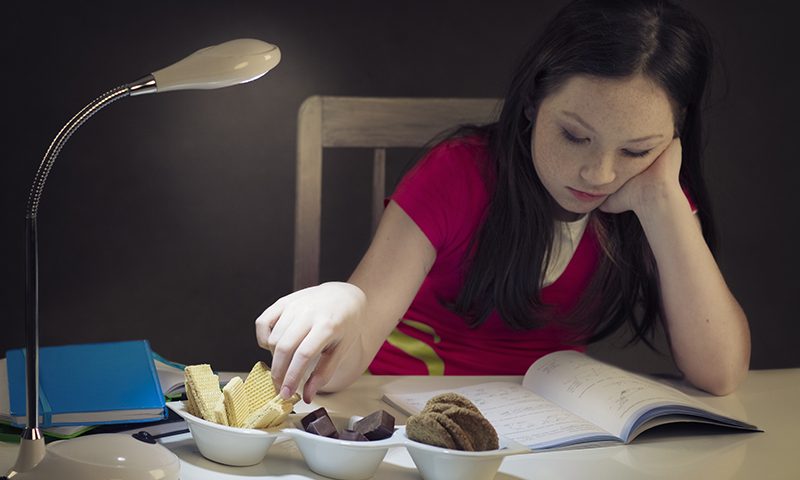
308, 393
285, 393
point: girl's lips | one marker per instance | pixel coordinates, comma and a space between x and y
586, 197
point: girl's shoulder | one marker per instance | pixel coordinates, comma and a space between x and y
446, 192
463, 155
472, 144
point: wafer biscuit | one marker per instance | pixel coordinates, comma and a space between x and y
220, 415
252, 403
286, 407
190, 406
237, 405
203, 385
258, 386
271, 414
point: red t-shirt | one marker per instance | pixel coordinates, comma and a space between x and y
446, 195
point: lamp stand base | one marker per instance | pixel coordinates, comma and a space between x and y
31, 453
102, 457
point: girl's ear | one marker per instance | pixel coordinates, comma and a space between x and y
529, 112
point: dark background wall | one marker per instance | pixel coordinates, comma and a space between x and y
170, 217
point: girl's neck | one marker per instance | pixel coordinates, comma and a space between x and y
561, 215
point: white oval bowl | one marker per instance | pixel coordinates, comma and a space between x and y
342, 459
239, 447
437, 463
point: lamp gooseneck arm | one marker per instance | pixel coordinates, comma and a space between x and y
32, 444
61, 138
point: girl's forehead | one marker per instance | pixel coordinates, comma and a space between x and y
631, 101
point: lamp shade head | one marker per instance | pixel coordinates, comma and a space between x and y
218, 66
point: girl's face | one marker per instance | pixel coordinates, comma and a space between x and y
594, 134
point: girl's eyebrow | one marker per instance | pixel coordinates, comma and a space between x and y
586, 125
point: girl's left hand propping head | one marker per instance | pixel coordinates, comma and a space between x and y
653, 184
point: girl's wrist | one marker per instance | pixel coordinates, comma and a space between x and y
659, 200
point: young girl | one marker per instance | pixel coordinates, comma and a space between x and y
582, 208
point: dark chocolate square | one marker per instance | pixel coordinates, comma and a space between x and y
323, 426
376, 426
320, 412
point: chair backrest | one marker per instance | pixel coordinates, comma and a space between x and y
377, 123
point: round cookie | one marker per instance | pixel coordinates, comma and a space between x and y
451, 399
426, 429
481, 433
452, 421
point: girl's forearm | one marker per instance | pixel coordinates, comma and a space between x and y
708, 330
390, 274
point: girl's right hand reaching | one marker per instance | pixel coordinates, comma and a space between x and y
332, 330
310, 328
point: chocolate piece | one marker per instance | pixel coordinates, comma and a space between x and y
352, 435
318, 413
376, 426
323, 426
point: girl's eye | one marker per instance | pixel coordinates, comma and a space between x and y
572, 138
629, 153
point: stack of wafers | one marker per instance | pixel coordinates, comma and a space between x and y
252, 403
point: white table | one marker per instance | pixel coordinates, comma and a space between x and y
767, 398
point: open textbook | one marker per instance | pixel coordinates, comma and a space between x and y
567, 398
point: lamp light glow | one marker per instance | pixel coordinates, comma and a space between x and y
121, 456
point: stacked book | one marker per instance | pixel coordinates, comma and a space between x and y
82, 386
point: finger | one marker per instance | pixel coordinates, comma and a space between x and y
284, 344
266, 322
313, 384
678, 150
307, 353
674, 151
609, 206
322, 374
291, 314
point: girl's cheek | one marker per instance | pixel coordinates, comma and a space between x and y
636, 168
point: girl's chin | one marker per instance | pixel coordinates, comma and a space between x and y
571, 214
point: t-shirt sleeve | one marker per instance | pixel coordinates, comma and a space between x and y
445, 193
689, 199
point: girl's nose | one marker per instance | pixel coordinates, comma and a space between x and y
599, 171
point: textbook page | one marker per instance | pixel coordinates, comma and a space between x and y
605, 395
516, 413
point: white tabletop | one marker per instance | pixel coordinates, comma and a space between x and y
768, 398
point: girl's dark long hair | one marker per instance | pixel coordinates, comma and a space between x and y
605, 38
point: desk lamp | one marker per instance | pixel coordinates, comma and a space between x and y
117, 456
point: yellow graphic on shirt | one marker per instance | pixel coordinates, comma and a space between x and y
417, 348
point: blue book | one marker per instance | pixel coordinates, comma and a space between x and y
89, 384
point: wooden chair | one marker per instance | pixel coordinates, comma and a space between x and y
377, 123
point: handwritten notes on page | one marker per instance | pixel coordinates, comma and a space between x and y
605, 395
